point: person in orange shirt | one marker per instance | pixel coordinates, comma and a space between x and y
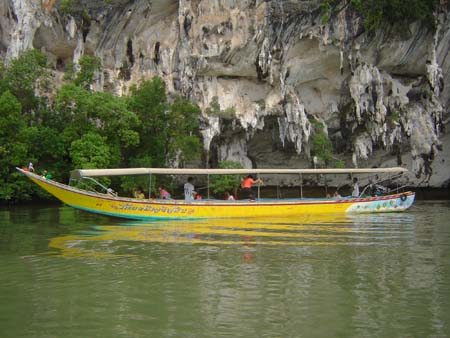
246, 186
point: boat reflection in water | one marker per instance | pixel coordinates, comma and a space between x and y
309, 230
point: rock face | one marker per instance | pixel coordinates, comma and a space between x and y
276, 69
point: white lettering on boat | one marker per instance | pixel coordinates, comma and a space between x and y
153, 209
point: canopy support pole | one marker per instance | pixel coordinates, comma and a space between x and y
259, 185
208, 186
390, 180
301, 186
149, 186
278, 189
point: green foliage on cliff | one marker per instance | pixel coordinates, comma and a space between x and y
322, 147
377, 12
214, 109
321, 144
89, 66
81, 128
71, 6
326, 11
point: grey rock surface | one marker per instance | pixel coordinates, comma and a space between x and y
382, 98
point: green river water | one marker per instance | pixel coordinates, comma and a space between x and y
66, 273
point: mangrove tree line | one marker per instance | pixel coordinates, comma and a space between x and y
73, 126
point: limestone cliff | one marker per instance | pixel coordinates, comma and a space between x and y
382, 98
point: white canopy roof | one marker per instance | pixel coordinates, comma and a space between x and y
177, 171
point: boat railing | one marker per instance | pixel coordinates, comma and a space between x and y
389, 179
400, 188
382, 185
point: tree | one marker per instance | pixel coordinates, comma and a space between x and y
13, 149
83, 74
86, 129
149, 102
183, 142
69, 115
322, 147
220, 184
89, 66
90, 151
113, 119
24, 77
79, 111
169, 132
214, 109
321, 144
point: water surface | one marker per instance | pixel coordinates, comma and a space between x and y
67, 273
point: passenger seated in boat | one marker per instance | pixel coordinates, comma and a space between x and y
336, 194
197, 196
229, 197
111, 192
137, 193
378, 190
163, 193
46, 175
247, 184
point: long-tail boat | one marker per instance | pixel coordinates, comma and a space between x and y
108, 203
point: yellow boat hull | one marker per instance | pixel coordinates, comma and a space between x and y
164, 209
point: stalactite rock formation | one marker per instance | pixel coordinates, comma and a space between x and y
380, 97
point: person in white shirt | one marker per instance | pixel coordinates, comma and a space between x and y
189, 190
229, 197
